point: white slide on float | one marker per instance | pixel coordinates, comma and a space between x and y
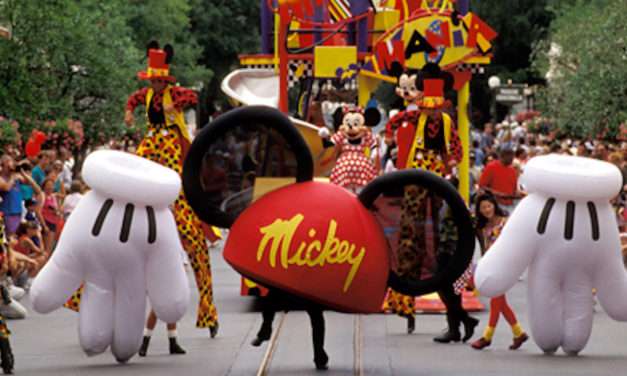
249, 87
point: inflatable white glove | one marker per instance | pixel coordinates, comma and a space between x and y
323, 132
566, 232
121, 242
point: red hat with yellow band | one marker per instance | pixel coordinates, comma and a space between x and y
158, 63
434, 83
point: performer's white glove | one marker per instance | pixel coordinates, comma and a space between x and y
324, 132
121, 242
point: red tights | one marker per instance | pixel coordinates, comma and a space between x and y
499, 305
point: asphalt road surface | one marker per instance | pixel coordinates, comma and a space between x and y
357, 345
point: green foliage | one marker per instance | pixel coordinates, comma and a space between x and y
68, 134
8, 133
520, 24
67, 59
587, 66
225, 29
168, 21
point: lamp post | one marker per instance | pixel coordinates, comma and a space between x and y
494, 82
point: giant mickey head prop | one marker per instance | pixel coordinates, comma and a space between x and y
312, 239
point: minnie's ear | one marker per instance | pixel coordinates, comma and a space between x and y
152, 45
372, 116
338, 118
169, 51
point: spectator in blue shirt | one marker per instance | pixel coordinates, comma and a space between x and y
39, 172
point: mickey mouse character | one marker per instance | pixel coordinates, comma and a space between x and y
408, 89
353, 142
427, 138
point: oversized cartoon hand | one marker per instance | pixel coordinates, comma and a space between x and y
566, 232
121, 242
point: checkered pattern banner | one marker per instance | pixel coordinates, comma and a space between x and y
473, 68
299, 69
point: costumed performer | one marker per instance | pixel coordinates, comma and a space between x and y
166, 142
354, 143
407, 89
427, 139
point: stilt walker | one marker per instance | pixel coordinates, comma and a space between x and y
426, 139
167, 142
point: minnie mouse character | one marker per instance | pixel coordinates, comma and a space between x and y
353, 142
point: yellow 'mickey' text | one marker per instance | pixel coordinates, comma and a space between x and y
279, 235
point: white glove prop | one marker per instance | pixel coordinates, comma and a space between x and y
122, 242
324, 132
566, 232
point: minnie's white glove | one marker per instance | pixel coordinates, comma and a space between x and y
324, 132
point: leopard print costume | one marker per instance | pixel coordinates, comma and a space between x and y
163, 145
411, 257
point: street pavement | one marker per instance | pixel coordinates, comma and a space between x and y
357, 345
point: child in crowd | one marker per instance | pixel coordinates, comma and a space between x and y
72, 199
51, 213
490, 222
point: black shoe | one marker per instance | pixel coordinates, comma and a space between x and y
321, 361
213, 330
6, 355
263, 335
448, 337
411, 324
469, 328
175, 348
258, 341
144, 349
261, 338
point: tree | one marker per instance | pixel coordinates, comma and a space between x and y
224, 29
585, 56
520, 24
168, 21
67, 59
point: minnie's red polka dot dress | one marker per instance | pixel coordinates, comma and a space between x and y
354, 169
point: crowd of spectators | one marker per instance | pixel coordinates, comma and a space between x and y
37, 194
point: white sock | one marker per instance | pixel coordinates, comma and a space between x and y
172, 333
147, 332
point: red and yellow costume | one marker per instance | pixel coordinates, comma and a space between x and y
429, 142
166, 142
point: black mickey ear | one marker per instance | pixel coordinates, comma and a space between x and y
213, 144
338, 117
169, 51
419, 77
152, 45
449, 81
396, 69
372, 116
391, 187
431, 70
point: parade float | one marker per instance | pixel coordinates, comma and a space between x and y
343, 50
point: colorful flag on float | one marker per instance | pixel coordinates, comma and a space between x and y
339, 10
